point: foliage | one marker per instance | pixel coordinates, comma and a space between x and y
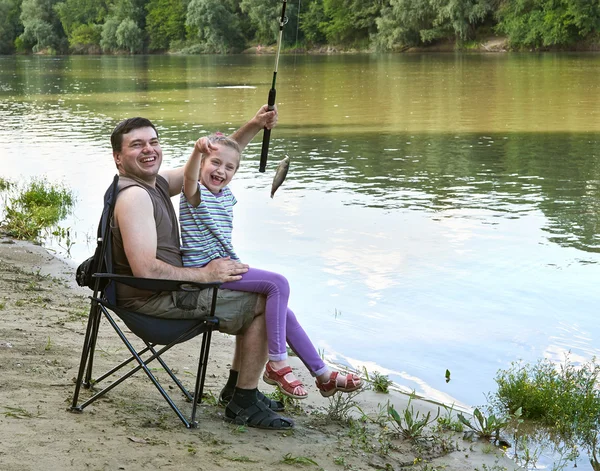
448, 421
41, 27
541, 23
85, 37
350, 21
264, 16
34, 208
231, 25
410, 425
311, 20
76, 13
10, 27
165, 22
290, 459
487, 427
108, 40
340, 406
218, 29
379, 382
416, 22
564, 397
129, 36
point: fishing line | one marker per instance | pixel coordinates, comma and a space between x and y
272, 92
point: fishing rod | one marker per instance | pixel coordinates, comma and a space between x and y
272, 93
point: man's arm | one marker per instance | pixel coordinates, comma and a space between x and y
134, 215
263, 118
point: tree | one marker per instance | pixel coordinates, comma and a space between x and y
415, 22
129, 36
86, 38
263, 15
108, 40
217, 27
82, 21
74, 13
351, 21
311, 21
42, 28
541, 23
10, 26
165, 22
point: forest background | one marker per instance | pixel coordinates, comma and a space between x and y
229, 26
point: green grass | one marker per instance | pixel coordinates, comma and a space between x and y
378, 382
562, 399
289, 459
34, 207
563, 396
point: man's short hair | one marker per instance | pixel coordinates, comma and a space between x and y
125, 127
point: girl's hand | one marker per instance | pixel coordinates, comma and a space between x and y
204, 146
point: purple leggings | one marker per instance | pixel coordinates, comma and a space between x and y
280, 320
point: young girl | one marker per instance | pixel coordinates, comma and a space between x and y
206, 218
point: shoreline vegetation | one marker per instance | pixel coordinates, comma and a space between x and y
544, 409
316, 26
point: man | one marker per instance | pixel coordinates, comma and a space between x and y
145, 235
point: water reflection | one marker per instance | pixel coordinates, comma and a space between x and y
445, 207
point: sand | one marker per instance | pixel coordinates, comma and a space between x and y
44, 316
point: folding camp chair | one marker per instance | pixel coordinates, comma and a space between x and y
152, 331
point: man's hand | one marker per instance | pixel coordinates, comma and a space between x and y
224, 269
265, 118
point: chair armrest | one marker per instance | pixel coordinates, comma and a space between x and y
153, 284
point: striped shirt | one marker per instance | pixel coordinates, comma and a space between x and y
206, 228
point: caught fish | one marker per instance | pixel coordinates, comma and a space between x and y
280, 174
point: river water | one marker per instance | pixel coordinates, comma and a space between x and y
441, 211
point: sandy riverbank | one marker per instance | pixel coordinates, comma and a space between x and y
43, 322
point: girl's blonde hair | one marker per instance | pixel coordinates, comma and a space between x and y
222, 139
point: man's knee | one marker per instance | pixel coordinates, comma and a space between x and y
260, 306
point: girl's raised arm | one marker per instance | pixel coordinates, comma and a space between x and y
191, 171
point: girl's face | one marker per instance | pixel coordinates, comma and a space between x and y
218, 168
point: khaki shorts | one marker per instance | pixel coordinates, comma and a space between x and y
235, 309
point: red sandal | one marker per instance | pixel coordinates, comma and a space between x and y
352, 383
277, 378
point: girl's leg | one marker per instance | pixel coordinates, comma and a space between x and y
328, 382
277, 290
303, 347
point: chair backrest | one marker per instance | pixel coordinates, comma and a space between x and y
104, 262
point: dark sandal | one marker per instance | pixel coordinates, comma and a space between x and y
329, 388
257, 415
277, 378
276, 406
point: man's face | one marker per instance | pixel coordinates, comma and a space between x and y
140, 154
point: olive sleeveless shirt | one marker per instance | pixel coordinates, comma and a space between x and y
167, 242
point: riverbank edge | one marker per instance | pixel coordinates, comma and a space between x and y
40, 342
493, 44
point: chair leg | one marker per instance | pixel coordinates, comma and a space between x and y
94, 337
201, 375
175, 379
143, 365
85, 354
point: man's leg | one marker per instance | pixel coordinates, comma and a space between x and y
251, 350
245, 406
